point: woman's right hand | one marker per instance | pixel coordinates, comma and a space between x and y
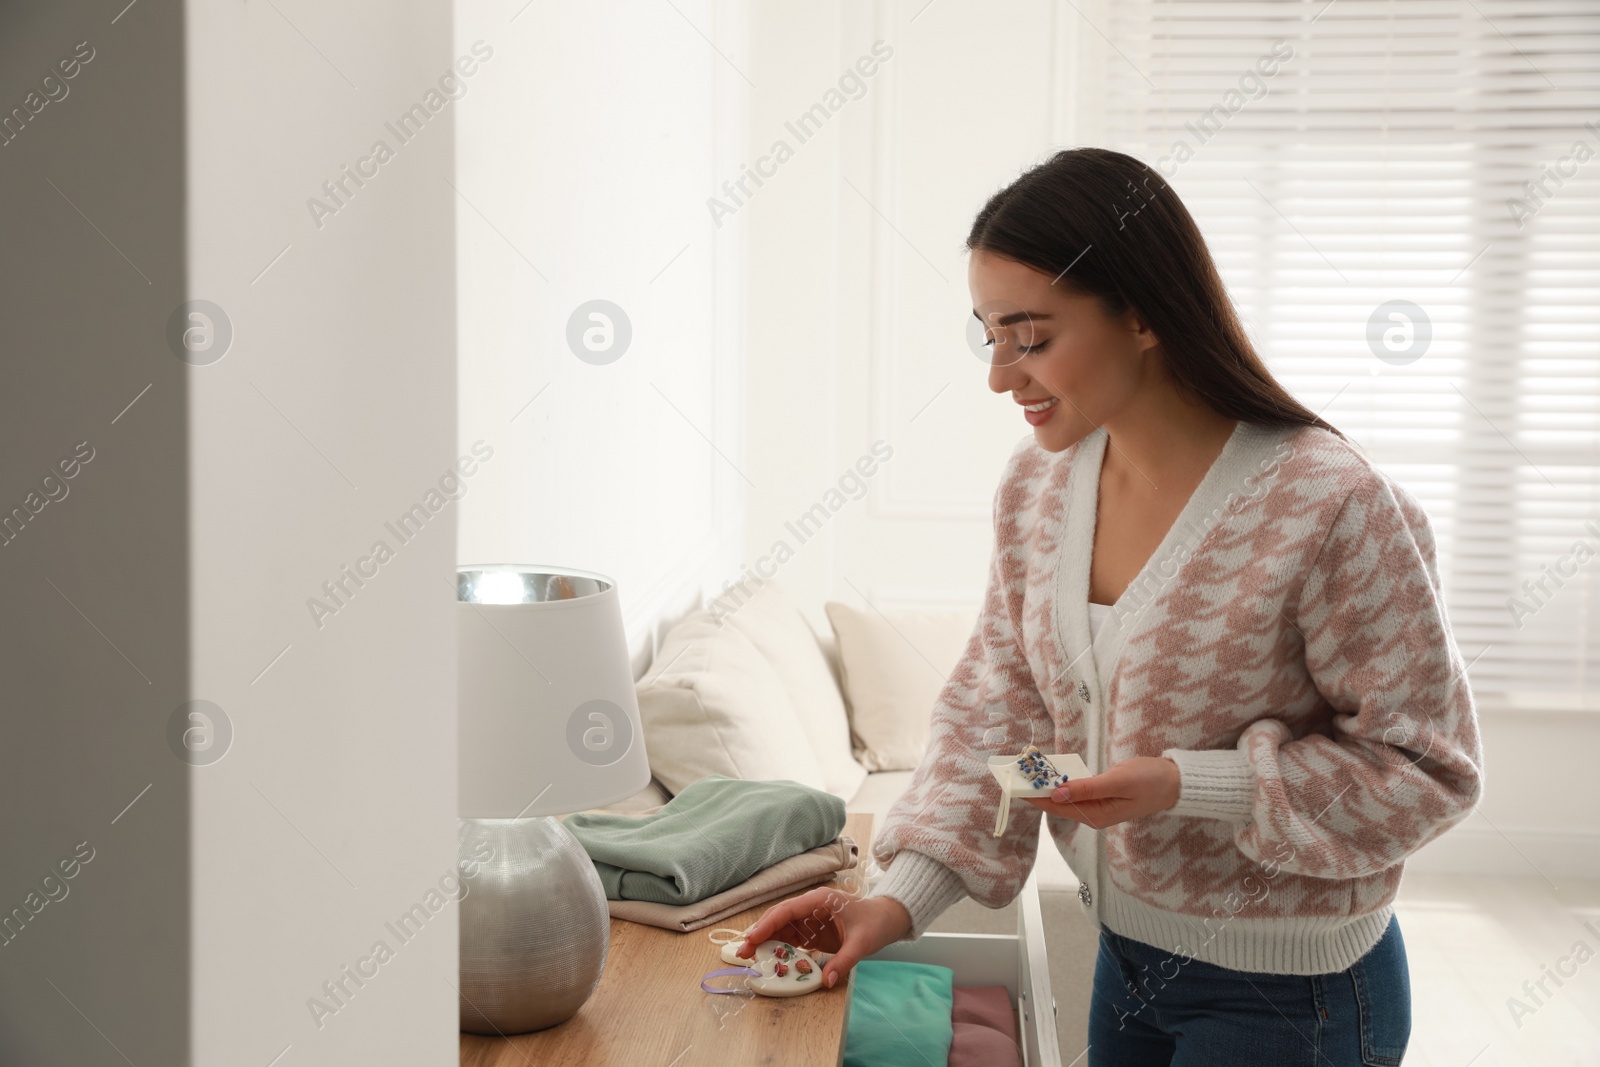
831, 920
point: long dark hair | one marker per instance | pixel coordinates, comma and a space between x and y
1109, 225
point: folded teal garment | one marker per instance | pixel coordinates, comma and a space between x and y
713, 835
899, 1015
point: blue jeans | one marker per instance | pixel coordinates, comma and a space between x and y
1151, 1009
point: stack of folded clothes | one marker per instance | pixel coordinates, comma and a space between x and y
913, 1015
720, 846
984, 1028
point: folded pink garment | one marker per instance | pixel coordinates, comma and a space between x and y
985, 1029
781, 879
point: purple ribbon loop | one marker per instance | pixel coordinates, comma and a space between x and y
727, 971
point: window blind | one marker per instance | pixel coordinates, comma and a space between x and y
1404, 199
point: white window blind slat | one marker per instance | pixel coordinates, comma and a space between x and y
1437, 152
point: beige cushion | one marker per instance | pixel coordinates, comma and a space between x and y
782, 635
712, 704
894, 665
649, 798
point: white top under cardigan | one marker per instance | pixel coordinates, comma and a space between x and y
1097, 615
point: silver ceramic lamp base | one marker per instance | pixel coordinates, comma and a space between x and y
534, 925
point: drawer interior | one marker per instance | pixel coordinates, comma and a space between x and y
1017, 961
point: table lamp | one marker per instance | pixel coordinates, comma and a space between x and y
547, 723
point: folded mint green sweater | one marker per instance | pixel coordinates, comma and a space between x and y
714, 834
900, 1015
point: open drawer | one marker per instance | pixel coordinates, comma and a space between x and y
1017, 961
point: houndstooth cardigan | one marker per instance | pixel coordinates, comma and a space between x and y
1286, 645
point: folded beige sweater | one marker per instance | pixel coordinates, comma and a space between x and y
781, 879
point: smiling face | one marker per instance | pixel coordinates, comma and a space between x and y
1047, 341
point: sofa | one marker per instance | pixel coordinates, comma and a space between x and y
748, 688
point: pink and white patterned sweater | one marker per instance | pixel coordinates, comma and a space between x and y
1286, 645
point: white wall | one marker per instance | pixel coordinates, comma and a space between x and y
858, 287
587, 148
220, 498
331, 416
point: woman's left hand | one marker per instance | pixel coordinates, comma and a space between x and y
1133, 788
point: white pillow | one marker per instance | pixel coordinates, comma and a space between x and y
712, 704
894, 666
781, 634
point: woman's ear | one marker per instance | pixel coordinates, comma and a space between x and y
1136, 326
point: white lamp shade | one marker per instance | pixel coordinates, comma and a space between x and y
547, 717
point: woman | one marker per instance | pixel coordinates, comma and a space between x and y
1228, 611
